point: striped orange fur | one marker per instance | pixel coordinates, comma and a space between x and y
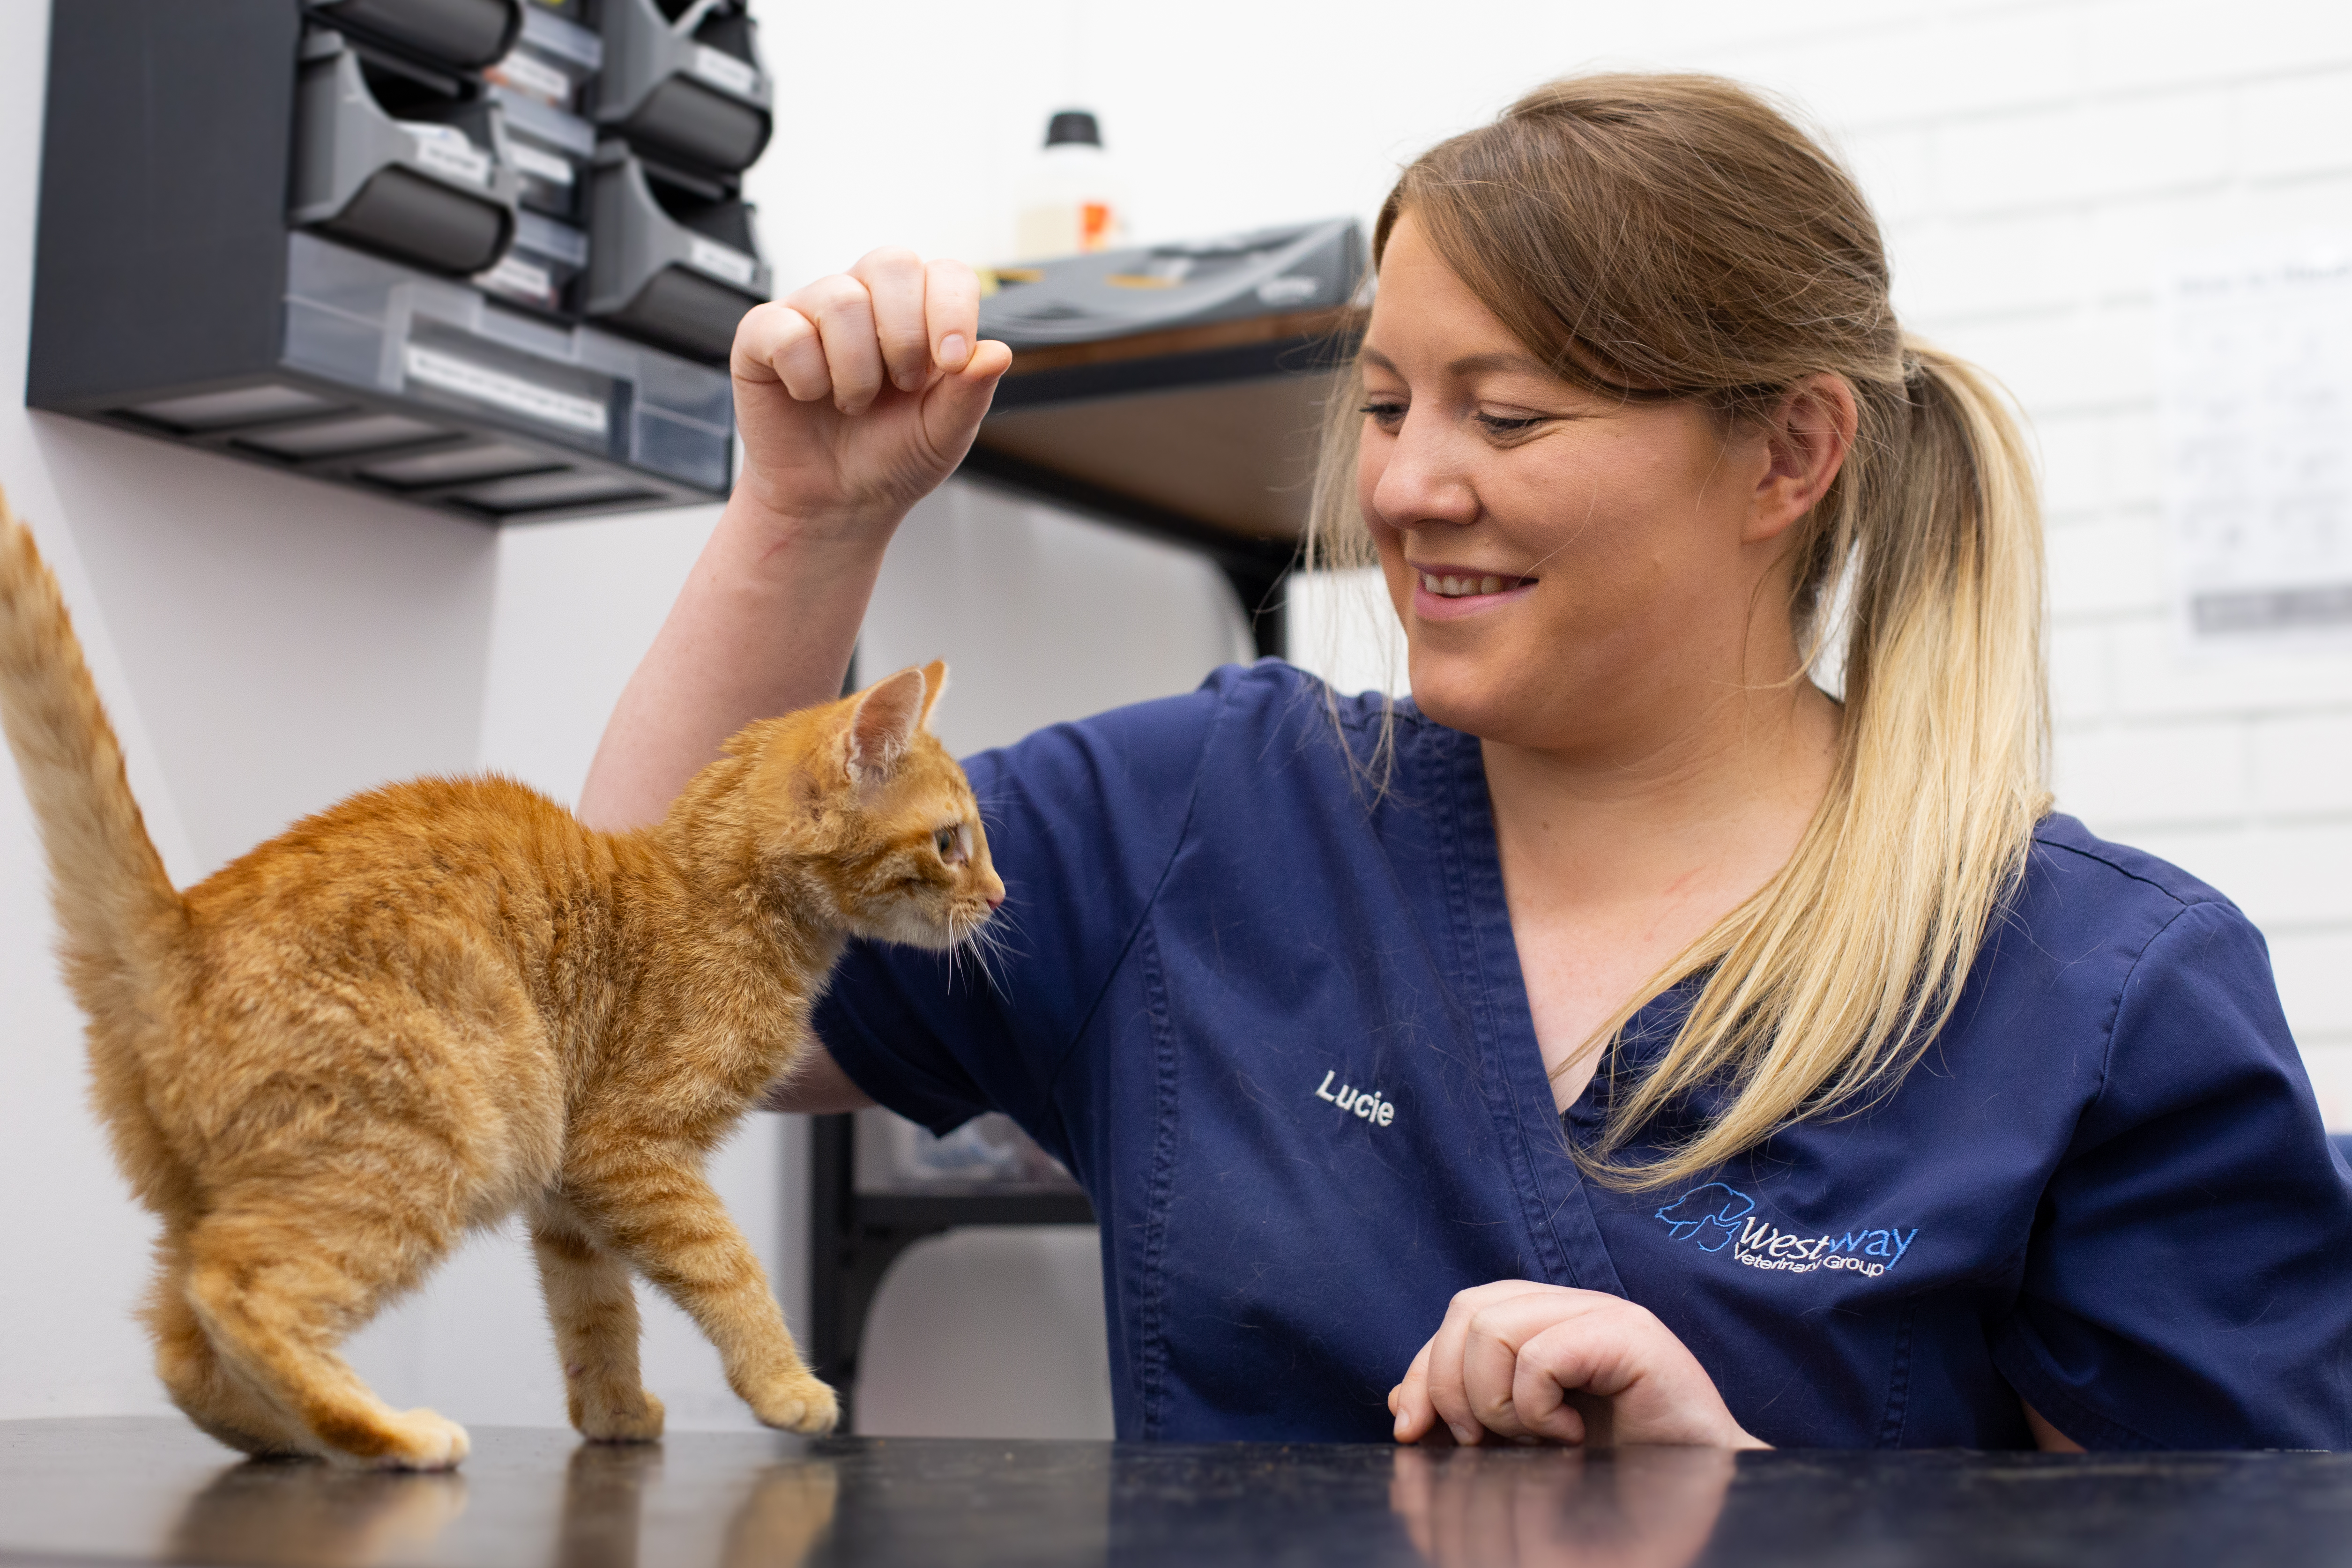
444, 1001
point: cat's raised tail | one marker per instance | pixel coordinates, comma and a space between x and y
115, 905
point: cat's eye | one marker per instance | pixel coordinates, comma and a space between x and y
949, 842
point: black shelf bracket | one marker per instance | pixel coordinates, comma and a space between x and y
855, 1237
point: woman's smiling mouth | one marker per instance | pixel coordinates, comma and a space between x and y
1448, 591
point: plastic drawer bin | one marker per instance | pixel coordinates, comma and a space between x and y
550, 151
670, 259
392, 159
550, 61
467, 34
699, 95
537, 269
412, 345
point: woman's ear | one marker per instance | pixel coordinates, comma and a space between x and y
1807, 434
882, 726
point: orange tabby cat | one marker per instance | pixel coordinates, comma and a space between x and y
442, 1001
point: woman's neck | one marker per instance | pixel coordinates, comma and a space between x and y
1618, 856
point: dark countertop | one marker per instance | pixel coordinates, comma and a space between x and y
146, 1491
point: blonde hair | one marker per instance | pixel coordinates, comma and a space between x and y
1655, 237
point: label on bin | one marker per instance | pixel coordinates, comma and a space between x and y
522, 280
523, 73
445, 150
483, 385
724, 71
723, 261
547, 166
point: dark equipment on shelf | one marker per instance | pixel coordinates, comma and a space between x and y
352, 251
1178, 391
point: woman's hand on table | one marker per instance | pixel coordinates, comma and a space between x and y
1530, 1362
859, 394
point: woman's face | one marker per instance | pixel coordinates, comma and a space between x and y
1573, 570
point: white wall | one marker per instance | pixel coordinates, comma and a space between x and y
270, 645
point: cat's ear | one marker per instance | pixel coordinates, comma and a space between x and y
882, 726
935, 685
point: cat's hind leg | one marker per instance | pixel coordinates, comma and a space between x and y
223, 1406
281, 1272
651, 1203
594, 1310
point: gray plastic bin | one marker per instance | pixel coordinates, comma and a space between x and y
670, 259
429, 184
467, 34
692, 88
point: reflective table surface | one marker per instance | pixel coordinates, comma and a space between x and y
154, 1491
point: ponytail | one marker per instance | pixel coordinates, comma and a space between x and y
1831, 979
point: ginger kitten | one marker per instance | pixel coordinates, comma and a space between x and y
442, 1001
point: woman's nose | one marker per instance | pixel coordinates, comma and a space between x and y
1422, 481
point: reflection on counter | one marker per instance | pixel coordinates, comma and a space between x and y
280, 1514
146, 1491
311, 1514
1541, 1508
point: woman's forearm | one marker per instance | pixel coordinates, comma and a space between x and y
765, 624
854, 399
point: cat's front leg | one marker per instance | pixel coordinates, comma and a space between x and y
595, 1314
652, 1203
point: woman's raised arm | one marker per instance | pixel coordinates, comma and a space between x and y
855, 397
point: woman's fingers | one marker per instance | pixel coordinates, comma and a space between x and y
1505, 1384
894, 280
1408, 1401
951, 313
776, 342
843, 313
1447, 1391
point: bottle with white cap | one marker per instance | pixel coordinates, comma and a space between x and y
1072, 202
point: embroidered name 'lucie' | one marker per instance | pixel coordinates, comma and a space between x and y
1365, 1103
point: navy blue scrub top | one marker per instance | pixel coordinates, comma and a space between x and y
1276, 1028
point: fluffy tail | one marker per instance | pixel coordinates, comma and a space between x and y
117, 907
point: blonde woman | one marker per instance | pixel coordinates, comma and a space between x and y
1622, 1029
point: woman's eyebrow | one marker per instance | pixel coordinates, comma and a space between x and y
1469, 364
1499, 360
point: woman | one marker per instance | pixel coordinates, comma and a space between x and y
1622, 1029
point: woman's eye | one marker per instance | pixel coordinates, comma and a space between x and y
1383, 414
1508, 424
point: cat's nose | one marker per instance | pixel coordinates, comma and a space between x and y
995, 901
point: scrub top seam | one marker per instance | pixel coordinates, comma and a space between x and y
1467, 779
1143, 915
1152, 1368
2124, 871
2116, 1008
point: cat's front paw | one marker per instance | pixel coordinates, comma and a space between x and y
422, 1440
803, 1404
637, 1419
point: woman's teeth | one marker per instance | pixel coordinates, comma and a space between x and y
1461, 587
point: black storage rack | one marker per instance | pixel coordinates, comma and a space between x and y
344, 238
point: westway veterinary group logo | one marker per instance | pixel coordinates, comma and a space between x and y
1716, 1217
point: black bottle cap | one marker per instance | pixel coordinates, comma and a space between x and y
1073, 125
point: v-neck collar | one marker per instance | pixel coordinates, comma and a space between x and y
1554, 1195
